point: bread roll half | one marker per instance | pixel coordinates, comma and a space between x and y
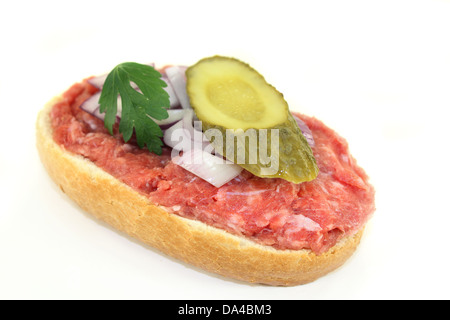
193, 242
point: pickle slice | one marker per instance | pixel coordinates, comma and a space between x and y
248, 121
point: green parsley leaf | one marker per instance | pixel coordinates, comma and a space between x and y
138, 108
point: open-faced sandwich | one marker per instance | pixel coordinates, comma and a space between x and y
207, 164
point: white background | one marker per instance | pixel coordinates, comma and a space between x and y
378, 72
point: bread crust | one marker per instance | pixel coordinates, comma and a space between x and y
196, 243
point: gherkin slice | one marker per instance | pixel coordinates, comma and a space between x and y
248, 121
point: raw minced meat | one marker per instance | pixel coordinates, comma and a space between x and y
312, 215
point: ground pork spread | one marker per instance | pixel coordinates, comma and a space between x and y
312, 215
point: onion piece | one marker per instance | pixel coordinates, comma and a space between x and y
176, 76
210, 168
98, 81
198, 138
183, 71
187, 121
306, 131
92, 106
174, 102
98, 114
183, 136
174, 116
171, 140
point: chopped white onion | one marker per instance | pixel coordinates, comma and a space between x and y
176, 76
172, 96
89, 105
92, 106
210, 168
174, 116
177, 137
187, 121
98, 81
183, 70
306, 131
183, 136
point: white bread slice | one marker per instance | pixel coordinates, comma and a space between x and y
196, 243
